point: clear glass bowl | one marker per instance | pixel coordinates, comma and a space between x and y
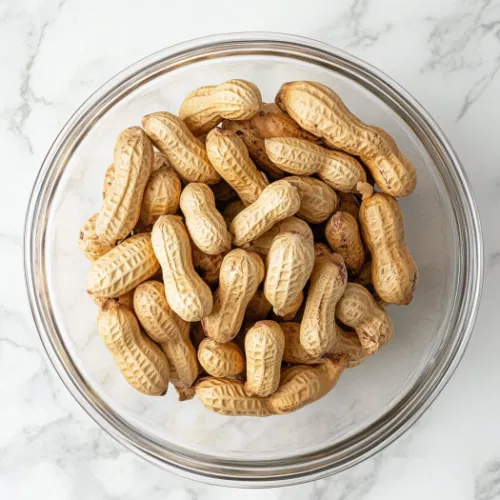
372, 404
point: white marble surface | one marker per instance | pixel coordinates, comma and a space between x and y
53, 54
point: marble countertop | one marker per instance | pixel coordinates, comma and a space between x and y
54, 53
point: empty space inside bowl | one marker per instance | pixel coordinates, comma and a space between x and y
363, 394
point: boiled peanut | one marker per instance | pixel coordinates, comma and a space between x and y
277, 202
394, 271
188, 295
185, 152
259, 307
267, 123
204, 222
289, 265
204, 108
208, 266
327, 284
343, 236
133, 158
221, 360
161, 196
240, 275
349, 203
90, 245
303, 384
264, 346
232, 210
318, 200
289, 312
263, 243
123, 268
358, 309
229, 156
319, 110
140, 360
294, 352
228, 397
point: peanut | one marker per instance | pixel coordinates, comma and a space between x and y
185, 394
289, 265
348, 346
185, 152
208, 266
318, 200
188, 295
90, 245
133, 158
109, 177
240, 275
221, 360
232, 210
259, 307
229, 156
327, 285
123, 268
343, 236
290, 311
319, 110
204, 109
294, 352
267, 123
364, 277
141, 362
289, 225
183, 362
394, 271
277, 202
228, 397
204, 222
223, 191
303, 384
358, 309
349, 203
264, 346
197, 334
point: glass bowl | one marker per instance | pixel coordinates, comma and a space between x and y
372, 404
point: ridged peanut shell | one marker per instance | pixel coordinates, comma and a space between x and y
182, 361
349, 203
348, 346
229, 156
208, 266
294, 352
90, 245
140, 360
188, 295
264, 346
288, 312
232, 210
221, 360
259, 307
394, 271
123, 268
186, 153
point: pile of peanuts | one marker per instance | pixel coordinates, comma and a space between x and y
241, 252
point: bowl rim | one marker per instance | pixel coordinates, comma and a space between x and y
217, 471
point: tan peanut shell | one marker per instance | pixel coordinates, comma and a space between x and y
259, 307
229, 156
318, 200
343, 236
394, 271
185, 152
208, 266
294, 352
205, 224
228, 397
109, 177
267, 123
303, 384
133, 159
289, 265
123, 268
319, 110
349, 347
264, 346
277, 202
263, 243
140, 360
299, 157
204, 108
349, 203
364, 277
327, 284
182, 361
90, 245
232, 210
289, 312
221, 360
358, 310
188, 295
240, 275
223, 191
161, 195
